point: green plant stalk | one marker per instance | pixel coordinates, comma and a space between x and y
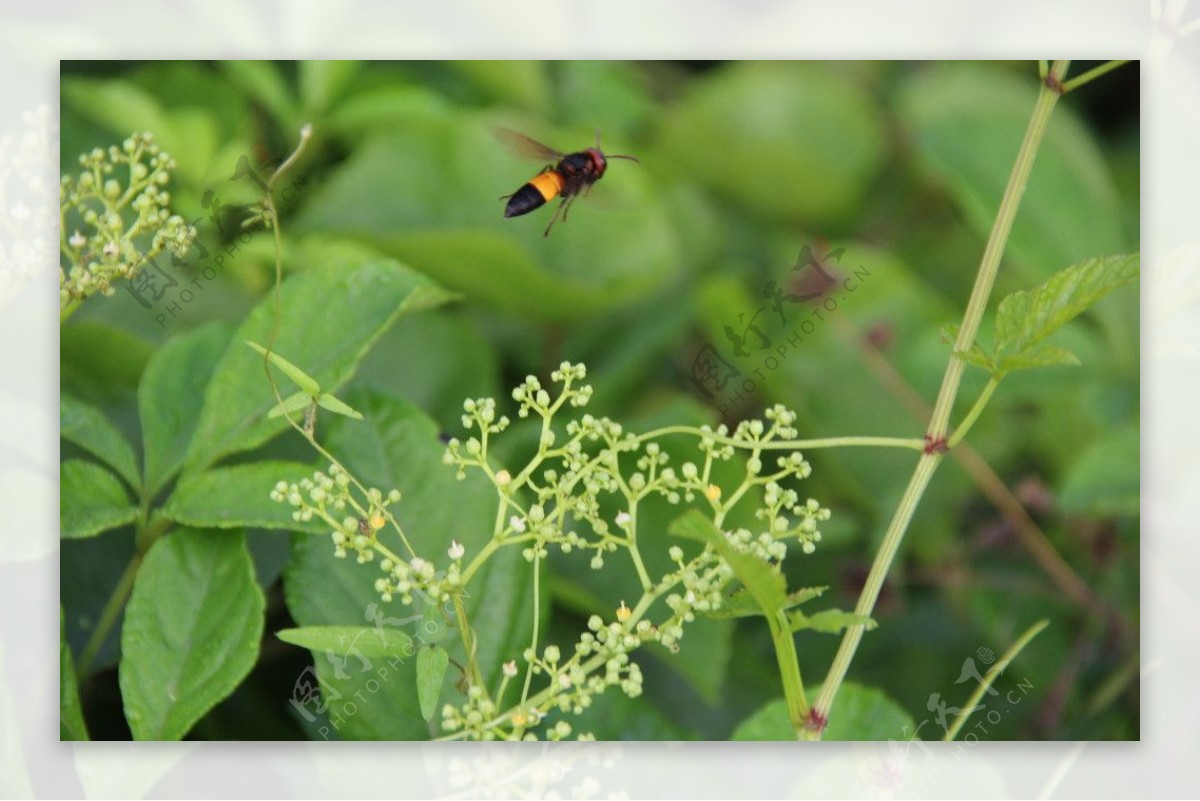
991, 677
468, 639
533, 643
108, 617
989, 265
147, 533
784, 641
794, 444
1092, 74
587, 666
69, 309
271, 217
960, 431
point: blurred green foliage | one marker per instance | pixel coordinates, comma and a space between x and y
741, 166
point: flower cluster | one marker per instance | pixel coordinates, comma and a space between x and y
601, 661
564, 498
355, 521
116, 217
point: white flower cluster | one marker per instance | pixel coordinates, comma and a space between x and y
562, 498
112, 216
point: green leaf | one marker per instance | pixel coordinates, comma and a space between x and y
99, 361
239, 497
435, 360
370, 641
92, 500
974, 355
123, 107
336, 406
301, 378
86, 426
769, 722
326, 593
120, 106
756, 131
291, 404
829, 621
1026, 318
431, 673
741, 603
965, 123
1042, 355
859, 714
262, 81
331, 316
1105, 480
433, 625
71, 725
192, 631
323, 80
398, 446
495, 270
764, 583
171, 395
511, 82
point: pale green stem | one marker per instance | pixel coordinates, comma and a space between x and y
1092, 74
794, 444
108, 617
71, 307
980, 403
991, 677
533, 643
927, 464
789, 670
634, 553
468, 639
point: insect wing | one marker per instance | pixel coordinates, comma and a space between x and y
523, 145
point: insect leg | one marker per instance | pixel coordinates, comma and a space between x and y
562, 207
567, 210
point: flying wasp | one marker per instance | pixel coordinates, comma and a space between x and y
567, 175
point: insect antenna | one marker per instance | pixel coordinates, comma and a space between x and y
628, 158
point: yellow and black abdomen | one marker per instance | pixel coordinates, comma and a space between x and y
542, 188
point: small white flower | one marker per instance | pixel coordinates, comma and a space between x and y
623, 518
510, 668
456, 550
564, 681
503, 477
111, 249
517, 523
77, 240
